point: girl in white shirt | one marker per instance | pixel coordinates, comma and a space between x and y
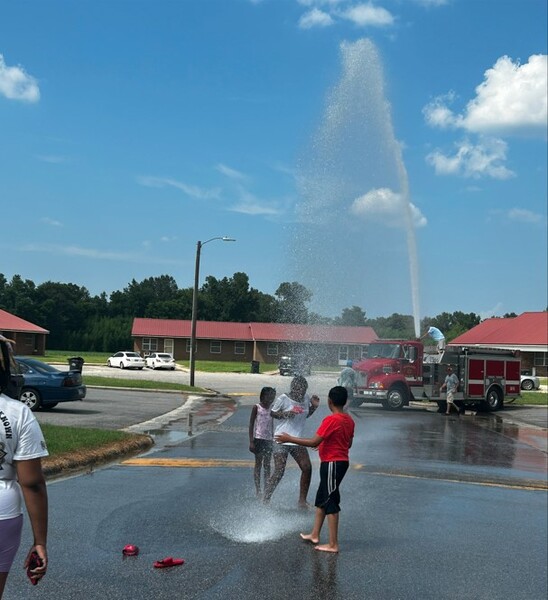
21, 448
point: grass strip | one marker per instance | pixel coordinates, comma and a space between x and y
142, 384
533, 398
73, 448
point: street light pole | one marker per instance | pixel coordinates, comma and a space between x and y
199, 245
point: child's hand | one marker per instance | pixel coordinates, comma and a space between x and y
297, 410
252, 447
282, 437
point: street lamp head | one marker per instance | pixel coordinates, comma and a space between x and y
225, 238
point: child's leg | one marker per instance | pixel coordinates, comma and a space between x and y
314, 535
257, 473
333, 526
267, 461
302, 458
280, 460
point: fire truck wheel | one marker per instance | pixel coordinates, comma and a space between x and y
493, 400
395, 400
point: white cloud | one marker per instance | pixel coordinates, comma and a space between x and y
524, 216
319, 2
190, 190
473, 161
387, 207
94, 253
52, 159
512, 100
365, 15
52, 222
248, 204
315, 18
438, 114
432, 3
16, 84
230, 173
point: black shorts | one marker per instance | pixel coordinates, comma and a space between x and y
262, 447
331, 475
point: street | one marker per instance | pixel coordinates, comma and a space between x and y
432, 507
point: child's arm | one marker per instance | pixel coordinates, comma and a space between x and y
312, 442
314, 403
252, 428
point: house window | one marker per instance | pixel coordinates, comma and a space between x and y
272, 349
215, 347
343, 353
150, 344
29, 341
188, 345
541, 359
239, 347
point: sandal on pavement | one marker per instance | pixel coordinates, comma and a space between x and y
168, 562
130, 550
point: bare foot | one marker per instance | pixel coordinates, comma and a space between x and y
307, 537
327, 548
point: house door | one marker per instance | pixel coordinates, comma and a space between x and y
168, 346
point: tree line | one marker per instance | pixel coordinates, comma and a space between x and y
77, 320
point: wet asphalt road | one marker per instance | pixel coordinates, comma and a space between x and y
432, 508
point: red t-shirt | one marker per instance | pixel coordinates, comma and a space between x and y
337, 431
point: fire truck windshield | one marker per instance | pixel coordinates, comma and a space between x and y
383, 351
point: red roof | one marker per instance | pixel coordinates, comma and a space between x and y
272, 332
527, 329
9, 322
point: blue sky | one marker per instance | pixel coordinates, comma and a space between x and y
129, 130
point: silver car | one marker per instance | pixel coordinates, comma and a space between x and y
160, 360
529, 382
126, 360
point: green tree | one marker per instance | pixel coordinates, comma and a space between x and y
353, 317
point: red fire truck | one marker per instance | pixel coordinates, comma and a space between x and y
394, 372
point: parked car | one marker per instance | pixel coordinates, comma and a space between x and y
45, 386
294, 365
160, 360
529, 382
126, 360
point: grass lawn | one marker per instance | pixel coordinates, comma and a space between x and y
74, 448
534, 398
139, 384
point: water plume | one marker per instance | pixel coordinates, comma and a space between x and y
354, 241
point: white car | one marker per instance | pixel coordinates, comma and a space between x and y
530, 382
160, 360
126, 360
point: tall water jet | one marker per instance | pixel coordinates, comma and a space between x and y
349, 246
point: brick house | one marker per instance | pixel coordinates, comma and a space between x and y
263, 342
527, 333
29, 338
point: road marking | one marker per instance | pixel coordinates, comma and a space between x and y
185, 463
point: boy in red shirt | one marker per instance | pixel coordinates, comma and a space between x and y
334, 438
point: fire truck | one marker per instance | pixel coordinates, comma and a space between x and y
394, 372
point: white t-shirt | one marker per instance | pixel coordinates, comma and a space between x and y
20, 439
294, 426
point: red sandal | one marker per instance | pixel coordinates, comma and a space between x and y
130, 550
168, 562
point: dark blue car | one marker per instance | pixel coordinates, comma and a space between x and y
45, 386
